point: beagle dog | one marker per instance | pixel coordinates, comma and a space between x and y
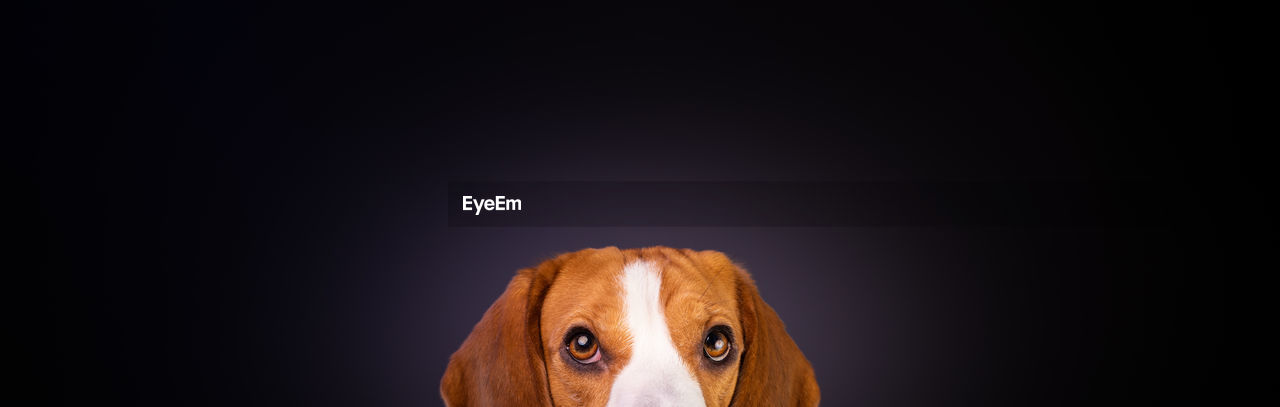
638, 327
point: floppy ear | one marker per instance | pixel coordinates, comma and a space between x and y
501, 362
772, 371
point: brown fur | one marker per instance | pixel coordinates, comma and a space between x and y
516, 347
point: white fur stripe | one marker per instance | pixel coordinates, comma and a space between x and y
655, 375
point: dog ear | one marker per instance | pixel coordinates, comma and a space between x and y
501, 363
772, 370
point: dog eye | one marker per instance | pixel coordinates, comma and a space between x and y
716, 345
582, 347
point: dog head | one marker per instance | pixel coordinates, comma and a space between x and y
639, 327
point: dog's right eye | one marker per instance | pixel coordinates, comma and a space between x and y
582, 347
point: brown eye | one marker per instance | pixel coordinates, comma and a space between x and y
716, 345
582, 347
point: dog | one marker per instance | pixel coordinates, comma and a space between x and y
639, 327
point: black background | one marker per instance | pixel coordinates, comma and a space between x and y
244, 204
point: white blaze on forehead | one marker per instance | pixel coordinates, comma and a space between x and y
655, 375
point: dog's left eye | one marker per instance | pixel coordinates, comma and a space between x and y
582, 347
716, 345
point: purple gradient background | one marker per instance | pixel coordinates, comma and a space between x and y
245, 205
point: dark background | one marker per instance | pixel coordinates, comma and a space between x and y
245, 204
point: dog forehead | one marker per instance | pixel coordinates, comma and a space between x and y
702, 279
585, 288
589, 286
